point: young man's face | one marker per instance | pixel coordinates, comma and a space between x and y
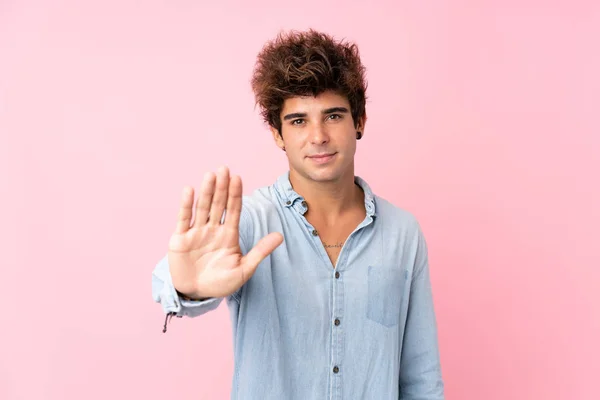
319, 136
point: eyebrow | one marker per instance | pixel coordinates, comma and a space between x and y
331, 110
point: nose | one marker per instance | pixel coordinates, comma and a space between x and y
318, 134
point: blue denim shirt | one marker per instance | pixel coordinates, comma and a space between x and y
305, 330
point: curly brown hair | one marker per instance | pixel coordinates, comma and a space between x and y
307, 63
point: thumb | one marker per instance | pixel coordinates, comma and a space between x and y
263, 248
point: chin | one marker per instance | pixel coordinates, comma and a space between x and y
324, 175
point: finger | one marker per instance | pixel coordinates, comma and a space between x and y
185, 211
219, 200
263, 248
234, 203
204, 200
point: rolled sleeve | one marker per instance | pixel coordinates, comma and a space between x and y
164, 292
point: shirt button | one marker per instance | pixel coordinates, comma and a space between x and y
314, 232
288, 202
336, 322
336, 370
303, 203
337, 275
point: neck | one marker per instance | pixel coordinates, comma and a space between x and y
329, 201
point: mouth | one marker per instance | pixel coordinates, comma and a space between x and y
322, 158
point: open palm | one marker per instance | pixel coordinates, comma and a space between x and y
205, 259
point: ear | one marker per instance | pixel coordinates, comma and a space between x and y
360, 126
277, 137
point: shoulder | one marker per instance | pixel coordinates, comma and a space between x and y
261, 203
260, 206
260, 209
395, 218
403, 228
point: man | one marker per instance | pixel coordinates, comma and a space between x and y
340, 309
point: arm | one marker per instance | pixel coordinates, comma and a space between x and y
420, 369
174, 303
208, 258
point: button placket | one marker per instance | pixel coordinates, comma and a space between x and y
337, 343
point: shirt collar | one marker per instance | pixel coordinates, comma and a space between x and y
290, 198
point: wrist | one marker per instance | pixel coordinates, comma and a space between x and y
190, 297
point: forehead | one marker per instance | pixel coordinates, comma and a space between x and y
308, 104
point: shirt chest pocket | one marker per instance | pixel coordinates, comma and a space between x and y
386, 289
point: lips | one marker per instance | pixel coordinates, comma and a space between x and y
321, 155
322, 158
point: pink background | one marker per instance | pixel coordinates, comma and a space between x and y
483, 122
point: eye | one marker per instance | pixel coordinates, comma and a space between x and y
334, 116
297, 121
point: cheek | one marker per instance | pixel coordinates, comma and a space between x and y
350, 143
295, 142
